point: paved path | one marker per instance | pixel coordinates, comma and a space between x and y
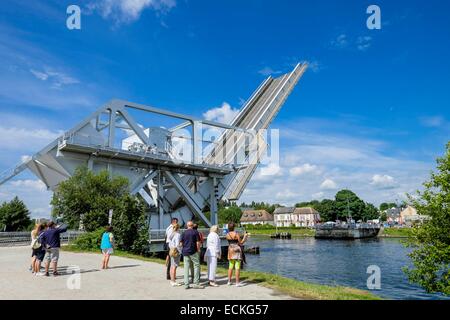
127, 279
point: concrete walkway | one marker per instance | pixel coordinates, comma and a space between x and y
127, 279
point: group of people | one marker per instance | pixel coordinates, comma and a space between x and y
45, 244
189, 246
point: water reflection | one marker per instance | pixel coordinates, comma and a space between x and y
338, 263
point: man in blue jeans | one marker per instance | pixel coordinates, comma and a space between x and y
191, 248
51, 241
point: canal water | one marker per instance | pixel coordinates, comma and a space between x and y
336, 262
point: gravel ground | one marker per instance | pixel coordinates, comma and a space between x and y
127, 279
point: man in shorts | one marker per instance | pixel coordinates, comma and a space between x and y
51, 241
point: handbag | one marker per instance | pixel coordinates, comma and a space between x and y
35, 244
173, 252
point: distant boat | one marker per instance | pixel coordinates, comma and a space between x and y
281, 235
346, 230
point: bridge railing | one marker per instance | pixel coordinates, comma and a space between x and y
24, 238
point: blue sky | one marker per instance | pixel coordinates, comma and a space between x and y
370, 114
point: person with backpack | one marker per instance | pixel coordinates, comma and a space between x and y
38, 252
169, 231
175, 254
107, 246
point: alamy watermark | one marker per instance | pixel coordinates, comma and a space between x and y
73, 21
374, 20
374, 280
73, 282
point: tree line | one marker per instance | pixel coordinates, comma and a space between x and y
344, 203
14, 216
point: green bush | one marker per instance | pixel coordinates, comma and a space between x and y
90, 240
259, 227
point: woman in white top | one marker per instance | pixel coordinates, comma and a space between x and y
175, 254
213, 252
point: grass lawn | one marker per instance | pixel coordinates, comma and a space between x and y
395, 232
294, 288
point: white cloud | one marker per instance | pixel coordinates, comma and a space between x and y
343, 41
315, 66
25, 158
126, 11
40, 75
340, 42
29, 76
363, 43
383, 181
434, 121
286, 195
224, 114
303, 169
13, 138
272, 169
36, 185
57, 79
317, 195
328, 184
344, 158
267, 71
34, 194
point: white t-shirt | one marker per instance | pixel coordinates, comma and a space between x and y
169, 232
174, 242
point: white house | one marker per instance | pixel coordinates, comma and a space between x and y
283, 216
298, 217
305, 217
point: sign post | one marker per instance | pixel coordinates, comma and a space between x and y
110, 216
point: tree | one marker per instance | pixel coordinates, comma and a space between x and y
383, 217
130, 225
385, 206
88, 197
347, 202
327, 210
231, 214
270, 208
14, 216
431, 240
370, 212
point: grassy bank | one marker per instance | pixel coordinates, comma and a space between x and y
306, 232
395, 232
294, 288
295, 232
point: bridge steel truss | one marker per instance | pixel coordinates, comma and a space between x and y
176, 187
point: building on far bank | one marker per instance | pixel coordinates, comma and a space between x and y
409, 216
283, 216
298, 217
256, 217
305, 217
393, 215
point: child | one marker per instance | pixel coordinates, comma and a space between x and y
107, 246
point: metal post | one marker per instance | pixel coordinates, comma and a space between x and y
196, 142
112, 127
160, 188
213, 201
